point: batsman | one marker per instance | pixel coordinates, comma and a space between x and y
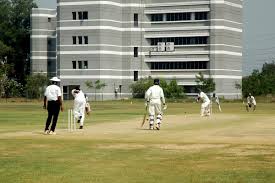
155, 102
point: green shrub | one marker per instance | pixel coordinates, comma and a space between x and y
171, 89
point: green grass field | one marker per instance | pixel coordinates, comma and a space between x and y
229, 147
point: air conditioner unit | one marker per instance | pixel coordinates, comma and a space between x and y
161, 46
170, 46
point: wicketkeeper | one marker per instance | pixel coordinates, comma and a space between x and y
155, 100
250, 102
205, 106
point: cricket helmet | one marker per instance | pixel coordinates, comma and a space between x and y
156, 81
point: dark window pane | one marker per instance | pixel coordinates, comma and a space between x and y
74, 64
74, 39
86, 64
65, 89
135, 75
74, 15
80, 65
85, 15
79, 39
135, 51
156, 17
80, 15
136, 20
85, 39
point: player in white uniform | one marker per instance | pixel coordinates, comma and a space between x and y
155, 99
79, 106
205, 106
250, 102
217, 101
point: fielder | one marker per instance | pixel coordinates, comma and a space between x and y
155, 99
217, 101
79, 106
205, 106
250, 102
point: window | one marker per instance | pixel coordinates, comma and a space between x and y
79, 39
201, 16
85, 39
65, 89
178, 65
74, 39
80, 65
80, 15
135, 51
49, 19
85, 15
74, 15
156, 17
135, 75
135, 20
49, 42
178, 16
74, 64
86, 64
181, 40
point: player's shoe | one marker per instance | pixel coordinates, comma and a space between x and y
46, 132
52, 133
158, 126
81, 127
151, 127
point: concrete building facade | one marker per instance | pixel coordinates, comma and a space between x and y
121, 41
43, 41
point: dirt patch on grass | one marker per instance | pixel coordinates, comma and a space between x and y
186, 147
121, 146
251, 150
189, 147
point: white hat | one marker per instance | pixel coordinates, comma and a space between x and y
55, 79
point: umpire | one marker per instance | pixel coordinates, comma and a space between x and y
53, 103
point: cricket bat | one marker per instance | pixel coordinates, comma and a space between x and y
144, 117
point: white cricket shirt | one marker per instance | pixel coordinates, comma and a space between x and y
52, 92
155, 93
204, 97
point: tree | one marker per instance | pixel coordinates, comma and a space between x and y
8, 87
11, 88
36, 85
141, 86
171, 89
238, 86
97, 85
260, 82
15, 34
100, 86
174, 90
4, 51
207, 85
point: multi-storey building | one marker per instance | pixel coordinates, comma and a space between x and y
43, 41
120, 41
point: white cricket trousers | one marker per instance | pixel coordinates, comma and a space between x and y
205, 108
155, 109
79, 110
